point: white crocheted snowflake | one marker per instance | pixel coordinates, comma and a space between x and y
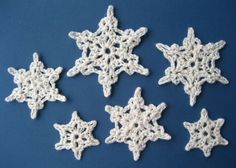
136, 124
76, 135
192, 64
205, 134
107, 52
35, 86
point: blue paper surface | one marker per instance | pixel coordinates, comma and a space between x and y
42, 26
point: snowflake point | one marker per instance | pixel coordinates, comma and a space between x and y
59, 70
56, 126
73, 35
136, 155
186, 124
159, 45
35, 57
72, 72
223, 80
33, 113
163, 80
108, 108
191, 32
74, 115
110, 11
162, 106
106, 90
192, 100
204, 112
187, 148
137, 92
12, 71
219, 45
141, 31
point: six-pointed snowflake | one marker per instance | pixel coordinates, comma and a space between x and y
107, 52
205, 134
136, 124
76, 135
35, 86
192, 64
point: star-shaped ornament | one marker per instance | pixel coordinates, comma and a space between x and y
108, 52
205, 134
136, 124
192, 64
76, 135
35, 86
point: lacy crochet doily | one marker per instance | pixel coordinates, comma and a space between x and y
107, 52
192, 64
136, 124
205, 134
76, 135
35, 86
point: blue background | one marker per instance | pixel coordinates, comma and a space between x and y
27, 26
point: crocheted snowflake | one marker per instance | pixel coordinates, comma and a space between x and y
76, 135
192, 64
205, 134
107, 52
35, 86
136, 124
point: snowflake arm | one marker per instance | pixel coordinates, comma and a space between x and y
108, 52
35, 86
136, 124
205, 134
76, 135
192, 64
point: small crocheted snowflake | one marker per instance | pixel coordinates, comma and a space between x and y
205, 134
35, 86
192, 64
76, 135
107, 52
136, 124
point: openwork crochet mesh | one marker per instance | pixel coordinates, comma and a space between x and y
107, 52
136, 124
76, 135
205, 134
35, 86
192, 64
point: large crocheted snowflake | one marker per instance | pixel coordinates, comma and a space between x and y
136, 124
205, 134
192, 64
76, 135
107, 52
35, 86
